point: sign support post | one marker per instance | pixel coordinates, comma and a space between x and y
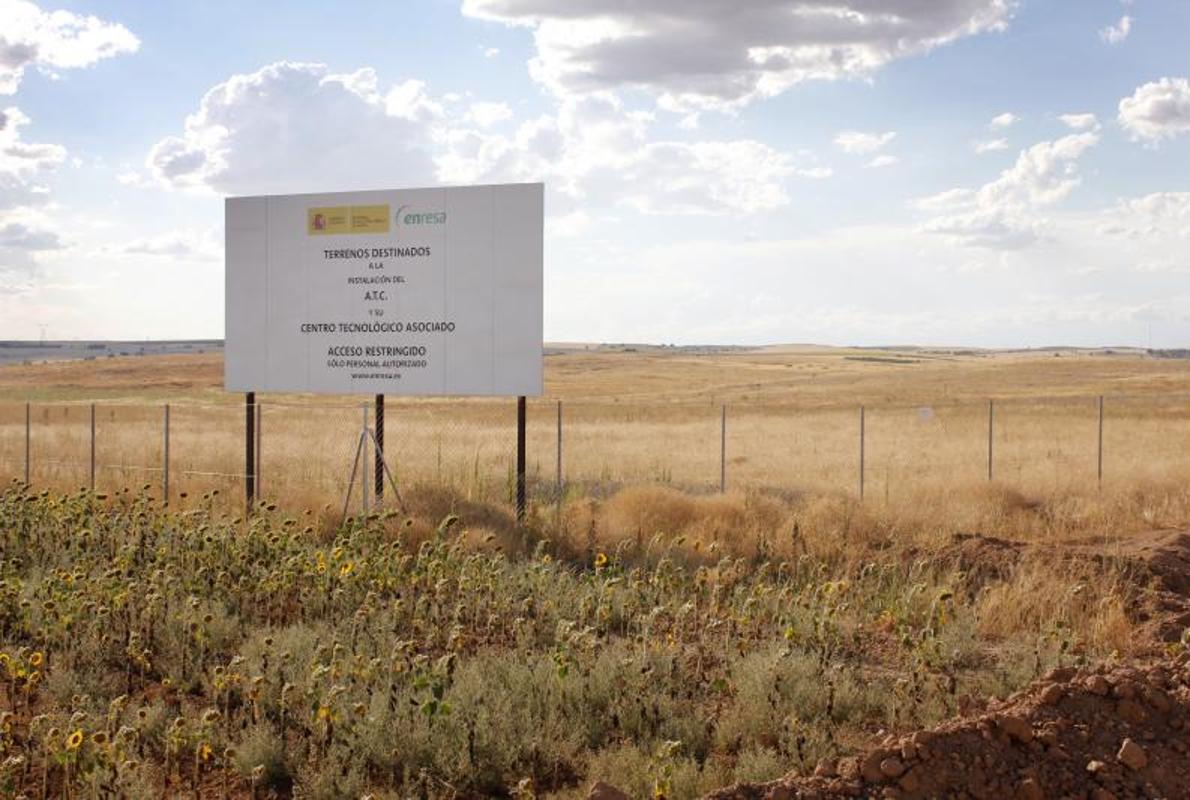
250, 449
520, 459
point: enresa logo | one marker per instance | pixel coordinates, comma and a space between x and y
408, 216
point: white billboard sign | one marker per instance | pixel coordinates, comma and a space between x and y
403, 292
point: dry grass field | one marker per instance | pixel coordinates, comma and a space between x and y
642, 627
653, 416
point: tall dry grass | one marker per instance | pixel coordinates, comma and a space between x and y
653, 419
925, 467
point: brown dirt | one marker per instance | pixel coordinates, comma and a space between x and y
1155, 563
1160, 563
1096, 734
1100, 733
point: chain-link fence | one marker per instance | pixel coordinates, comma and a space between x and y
311, 454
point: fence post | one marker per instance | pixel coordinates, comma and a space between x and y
28, 420
520, 459
1099, 465
558, 477
991, 424
861, 453
723, 449
165, 460
250, 449
92, 470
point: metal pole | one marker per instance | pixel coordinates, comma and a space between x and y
1099, 468
520, 459
250, 449
861, 453
92, 472
359, 446
558, 479
379, 445
723, 448
28, 419
364, 471
991, 428
165, 460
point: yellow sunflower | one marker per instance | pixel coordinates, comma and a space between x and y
74, 740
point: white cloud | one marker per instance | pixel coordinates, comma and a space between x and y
1080, 122
491, 52
596, 152
1160, 216
186, 246
30, 37
485, 115
293, 127
708, 54
859, 143
408, 100
131, 177
884, 160
944, 201
1005, 120
1004, 214
989, 145
1157, 110
900, 284
1114, 34
23, 164
18, 236
739, 176
26, 234
576, 223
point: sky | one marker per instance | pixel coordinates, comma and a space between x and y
1000, 173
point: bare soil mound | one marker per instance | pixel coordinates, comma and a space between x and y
1162, 563
1104, 733
1156, 564
983, 559
1100, 734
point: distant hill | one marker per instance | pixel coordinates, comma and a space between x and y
20, 352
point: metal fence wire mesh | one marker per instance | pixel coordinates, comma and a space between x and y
312, 455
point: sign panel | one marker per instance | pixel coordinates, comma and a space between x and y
402, 292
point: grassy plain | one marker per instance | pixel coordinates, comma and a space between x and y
654, 416
640, 628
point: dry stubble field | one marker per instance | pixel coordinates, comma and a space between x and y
648, 631
653, 417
